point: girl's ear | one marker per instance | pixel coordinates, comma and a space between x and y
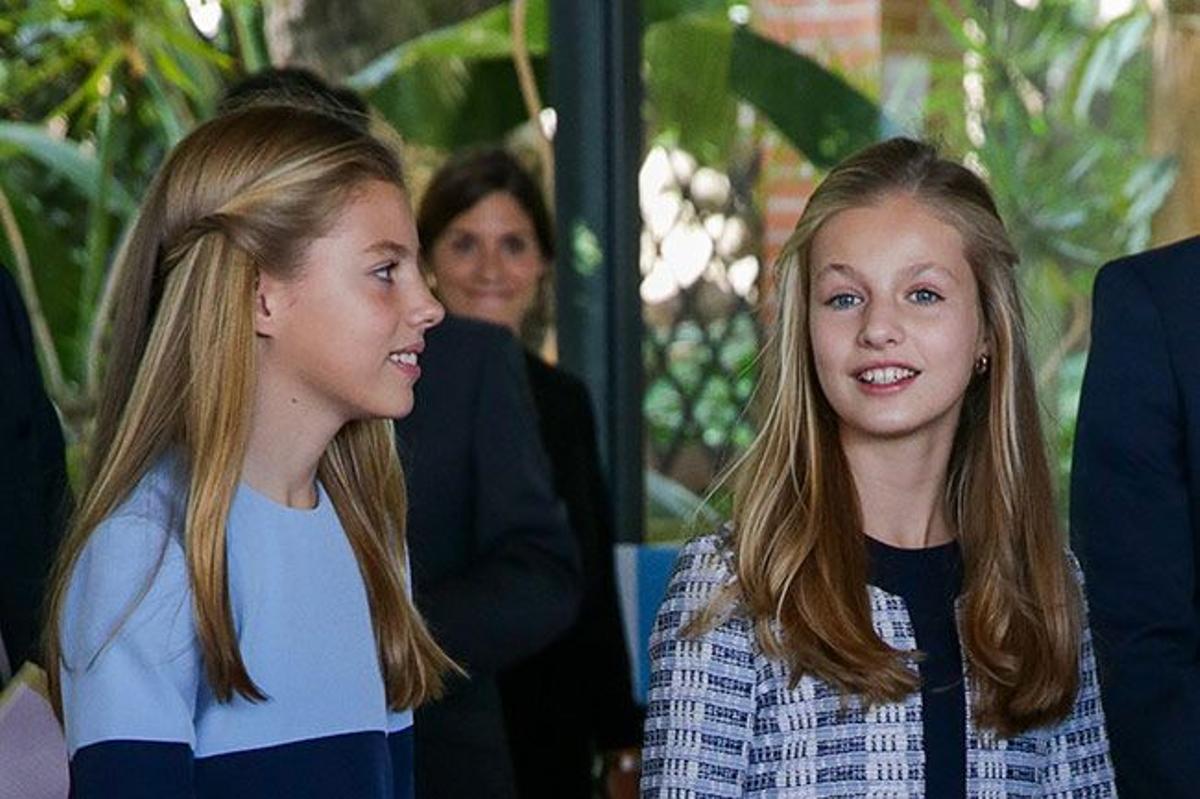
268, 300
983, 344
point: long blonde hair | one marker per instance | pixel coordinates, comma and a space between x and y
243, 193
798, 546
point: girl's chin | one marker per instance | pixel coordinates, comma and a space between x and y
893, 429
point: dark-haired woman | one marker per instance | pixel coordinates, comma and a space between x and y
488, 241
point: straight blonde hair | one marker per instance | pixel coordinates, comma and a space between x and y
242, 194
799, 551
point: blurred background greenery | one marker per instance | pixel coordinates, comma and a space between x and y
1079, 112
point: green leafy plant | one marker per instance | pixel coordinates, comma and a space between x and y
93, 93
457, 85
1060, 132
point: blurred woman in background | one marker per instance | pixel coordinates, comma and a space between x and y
488, 242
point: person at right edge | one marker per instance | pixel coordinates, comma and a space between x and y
1135, 514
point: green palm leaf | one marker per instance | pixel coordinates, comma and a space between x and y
65, 158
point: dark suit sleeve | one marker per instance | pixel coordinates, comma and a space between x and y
33, 480
1130, 517
523, 587
618, 718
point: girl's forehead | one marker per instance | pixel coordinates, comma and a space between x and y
899, 240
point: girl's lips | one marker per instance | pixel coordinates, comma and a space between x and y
411, 371
885, 378
883, 389
406, 361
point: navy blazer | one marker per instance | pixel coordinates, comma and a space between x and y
580, 685
496, 571
33, 480
1135, 514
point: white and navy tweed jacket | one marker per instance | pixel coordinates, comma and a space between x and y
722, 722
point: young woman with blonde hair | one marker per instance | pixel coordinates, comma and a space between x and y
893, 611
229, 616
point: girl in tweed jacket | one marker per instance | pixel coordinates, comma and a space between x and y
893, 611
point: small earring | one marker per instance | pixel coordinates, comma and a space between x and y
981, 364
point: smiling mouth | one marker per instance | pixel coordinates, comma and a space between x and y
886, 376
403, 358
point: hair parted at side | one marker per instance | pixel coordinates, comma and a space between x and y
244, 193
798, 544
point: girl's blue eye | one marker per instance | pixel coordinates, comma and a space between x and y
925, 296
842, 301
384, 272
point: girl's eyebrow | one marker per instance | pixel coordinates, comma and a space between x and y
390, 247
836, 266
912, 271
921, 267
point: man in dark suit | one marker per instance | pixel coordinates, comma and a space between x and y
1135, 514
495, 568
33, 481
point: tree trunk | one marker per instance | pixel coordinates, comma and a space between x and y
336, 39
1175, 117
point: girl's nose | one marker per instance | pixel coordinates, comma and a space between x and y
881, 326
426, 311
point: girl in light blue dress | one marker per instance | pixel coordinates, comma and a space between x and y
230, 614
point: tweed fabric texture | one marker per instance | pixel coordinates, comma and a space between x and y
722, 722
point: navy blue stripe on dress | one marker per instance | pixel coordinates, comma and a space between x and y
354, 766
401, 745
366, 765
132, 770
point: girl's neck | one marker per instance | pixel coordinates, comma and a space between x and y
901, 488
287, 439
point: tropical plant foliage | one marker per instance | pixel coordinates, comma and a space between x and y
457, 86
1060, 133
93, 93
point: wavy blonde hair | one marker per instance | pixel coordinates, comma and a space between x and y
799, 553
244, 193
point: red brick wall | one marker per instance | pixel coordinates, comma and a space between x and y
909, 26
841, 34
